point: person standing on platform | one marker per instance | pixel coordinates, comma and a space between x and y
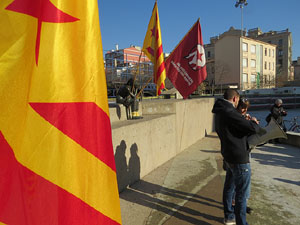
233, 130
277, 112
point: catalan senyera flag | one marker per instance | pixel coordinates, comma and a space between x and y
153, 49
186, 65
56, 156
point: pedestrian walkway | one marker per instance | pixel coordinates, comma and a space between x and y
188, 188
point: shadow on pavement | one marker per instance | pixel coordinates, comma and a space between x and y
145, 194
210, 151
277, 155
288, 181
211, 136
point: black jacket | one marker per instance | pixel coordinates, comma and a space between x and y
233, 129
278, 112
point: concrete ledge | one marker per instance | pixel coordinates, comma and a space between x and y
293, 139
168, 127
118, 112
141, 146
159, 106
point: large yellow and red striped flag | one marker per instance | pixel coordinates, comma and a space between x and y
56, 156
153, 49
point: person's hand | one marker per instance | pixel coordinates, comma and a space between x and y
247, 116
255, 120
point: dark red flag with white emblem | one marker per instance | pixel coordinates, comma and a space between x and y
186, 66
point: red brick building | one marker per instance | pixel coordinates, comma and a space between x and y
125, 57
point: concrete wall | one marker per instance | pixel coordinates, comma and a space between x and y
293, 139
166, 129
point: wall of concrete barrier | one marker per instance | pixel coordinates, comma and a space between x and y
293, 139
167, 128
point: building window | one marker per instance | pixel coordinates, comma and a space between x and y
245, 47
253, 63
265, 65
273, 53
280, 62
245, 78
280, 53
253, 78
273, 67
208, 54
270, 52
266, 51
253, 49
245, 62
280, 42
269, 66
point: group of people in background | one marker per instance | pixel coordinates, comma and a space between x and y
233, 126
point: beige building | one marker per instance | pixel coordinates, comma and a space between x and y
296, 65
283, 40
210, 60
240, 62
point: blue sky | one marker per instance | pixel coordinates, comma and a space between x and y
125, 22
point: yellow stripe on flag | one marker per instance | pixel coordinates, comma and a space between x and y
54, 156
63, 56
70, 69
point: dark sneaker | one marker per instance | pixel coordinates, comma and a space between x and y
249, 210
229, 221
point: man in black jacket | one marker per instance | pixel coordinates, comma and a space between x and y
277, 112
233, 130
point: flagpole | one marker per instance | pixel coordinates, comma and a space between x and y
139, 66
144, 87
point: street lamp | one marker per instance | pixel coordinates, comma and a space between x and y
241, 3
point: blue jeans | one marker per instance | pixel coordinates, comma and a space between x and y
237, 183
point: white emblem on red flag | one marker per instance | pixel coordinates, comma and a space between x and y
196, 57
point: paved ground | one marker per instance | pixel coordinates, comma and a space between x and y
188, 188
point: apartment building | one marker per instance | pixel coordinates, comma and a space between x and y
123, 64
125, 57
296, 65
241, 62
283, 40
258, 64
210, 60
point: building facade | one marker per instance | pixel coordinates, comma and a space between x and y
283, 41
258, 64
240, 62
296, 65
125, 57
123, 64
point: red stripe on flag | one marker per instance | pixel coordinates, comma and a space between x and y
160, 69
159, 51
27, 198
162, 86
150, 50
156, 34
85, 123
